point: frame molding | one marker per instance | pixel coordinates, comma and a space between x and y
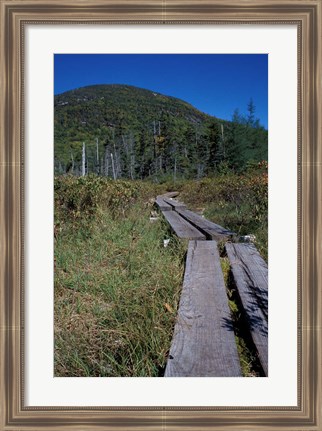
14, 16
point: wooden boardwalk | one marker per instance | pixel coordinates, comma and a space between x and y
181, 227
174, 203
163, 206
204, 343
183, 218
210, 229
250, 274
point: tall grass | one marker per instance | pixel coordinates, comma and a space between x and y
116, 292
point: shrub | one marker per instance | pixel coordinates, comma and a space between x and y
79, 198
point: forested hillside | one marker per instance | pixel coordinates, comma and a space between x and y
127, 132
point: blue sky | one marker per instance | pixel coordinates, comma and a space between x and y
214, 83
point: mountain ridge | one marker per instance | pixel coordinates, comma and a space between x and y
90, 93
119, 85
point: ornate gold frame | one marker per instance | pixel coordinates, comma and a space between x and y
15, 14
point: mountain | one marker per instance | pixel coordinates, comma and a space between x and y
137, 133
138, 106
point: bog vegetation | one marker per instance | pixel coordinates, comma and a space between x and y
117, 288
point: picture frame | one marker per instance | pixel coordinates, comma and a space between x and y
15, 16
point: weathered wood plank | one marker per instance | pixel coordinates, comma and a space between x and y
174, 203
210, 229
163, 206
170, 194
250, 274
203, 343
181, 227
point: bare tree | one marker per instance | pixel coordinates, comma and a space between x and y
83, 161
106, 162
97, 159
113, 167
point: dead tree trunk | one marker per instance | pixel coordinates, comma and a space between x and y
83, 161
97, 159
106, 164
113, 167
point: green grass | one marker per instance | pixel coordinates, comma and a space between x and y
116, 295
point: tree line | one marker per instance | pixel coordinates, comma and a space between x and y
167, 147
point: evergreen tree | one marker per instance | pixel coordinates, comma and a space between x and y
215, 156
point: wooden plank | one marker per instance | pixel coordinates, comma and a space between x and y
174, 203
181, 227
170, 194
210, 229
204, 342
163, 206
250, 274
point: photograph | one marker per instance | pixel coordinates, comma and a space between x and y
161, 215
